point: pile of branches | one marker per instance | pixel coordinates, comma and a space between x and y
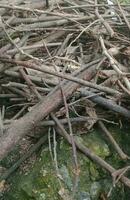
60, 59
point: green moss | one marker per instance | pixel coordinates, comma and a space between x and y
42, 181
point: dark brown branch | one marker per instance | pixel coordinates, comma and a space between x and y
113, 142
106, 103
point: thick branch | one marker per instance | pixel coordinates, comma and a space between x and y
26, 124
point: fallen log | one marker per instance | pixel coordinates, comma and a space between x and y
29, 122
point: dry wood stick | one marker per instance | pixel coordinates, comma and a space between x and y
105, 23
36, 79
59, 74
52, 123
